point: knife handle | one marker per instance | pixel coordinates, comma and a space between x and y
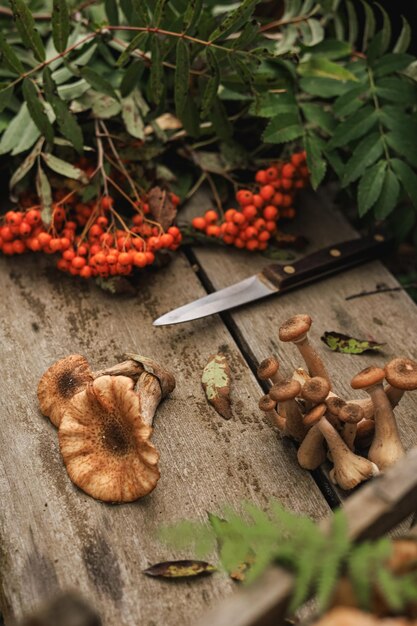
326, 261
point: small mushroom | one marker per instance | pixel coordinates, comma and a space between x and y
315, 390
268, 406
60, 383
386, 447
350, 415
295, 329
349, 469
269, 369
285, 393
365, 431
401, 374
105, 444
312, 453
154, 384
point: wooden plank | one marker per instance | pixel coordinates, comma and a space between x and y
387, 317
54, 537
373, 510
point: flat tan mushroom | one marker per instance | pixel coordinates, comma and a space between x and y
105, 444
60, 383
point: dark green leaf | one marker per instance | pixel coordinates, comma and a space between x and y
112, 11
364, 155
132, 118
386, 30
324, 87
407, 177
392, 62
234, 20
66, 121
404, 40
242, 70
320, 66
389, 196
182, 76
179, 569
36, 109
403, 144
397, 89
210, 91
26, 27
218, 118
139, 13
404, 221
332, 49
369, 24
350, 101
192, 14
156, 73
138, 41
374, 50
352, 21
370, 187
64, 168
43, 189
60, 24
99, 83
159, 11
26, 165
247, 35
20, 134
269, 104
283, 128
191, 118
9, 58
317, 115
395, 118
127, 8
354, 127
5, 97
131, 77
315, 162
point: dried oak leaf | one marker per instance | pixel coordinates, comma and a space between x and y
179, 569
216, 384
161, 207
338, 342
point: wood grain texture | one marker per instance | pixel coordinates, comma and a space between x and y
52, 536
389, 318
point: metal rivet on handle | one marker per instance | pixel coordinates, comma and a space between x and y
335, 252
289, 269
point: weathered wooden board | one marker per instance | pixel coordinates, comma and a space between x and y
389, 317
54, 537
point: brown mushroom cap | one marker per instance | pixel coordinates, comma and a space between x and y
335, 404
287, 390
266, 403
60, 383
267, 368
316, 389
368, 377
351, 413
402, 373
315, 415
165, 377
105, 444
295, 328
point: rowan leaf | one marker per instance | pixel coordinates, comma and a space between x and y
322, 67
5, 96
60, 24
156, 83
112, 11
351, 101
369, 24
370, 187
26, 165
64, 168
216, 384
66, 121
365, 154
192, 14
139, 15
26, 27
220, 121
389, 195
43, 189
234, 20
283, 128
181, 79
315, 161
354, 127
397, 89
211, 88
403, 144
404, 39
98, 82
352, 22
390, 63
407, 177
138, 41
131, 78
36, 110
9, 58
132, 118
316, 114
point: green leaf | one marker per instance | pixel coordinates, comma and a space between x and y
397, 89
138, 41
26, 27
98, 82
9, 58
131, 78
66, 121
350, 101
139, 15
43, 189
132, 118
159, 11
5, 97
26, 165
315, 162
63, 168
320, 66
20, 132
36, 110
283, 128
332, 49
370, 187
317, 115
352, 22
354, 127
408, 179
392, 62
338, 342
216, 384
60, 24
389, 196
182, 76
218, 118
211, 88
156, 73
234, 20
105, 107
364, 155
269, 104
404, 39
324, 87
385, 32
191, 118
369, 24
312, 32
404, 145
242, 70
112, 11
404, 221
192, 14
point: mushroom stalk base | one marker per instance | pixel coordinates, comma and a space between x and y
150, 395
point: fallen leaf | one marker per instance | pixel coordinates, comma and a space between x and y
216, 384
161, 207
349, 345
239, 573
116, 285
179, 569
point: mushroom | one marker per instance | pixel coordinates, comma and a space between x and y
285, 393
268, 406
295, 329
351, 616
154, 384
60, 383
349, 469
132, 369
386, 447
269, 369
365, 430
105, 444
401, 374
312, 453
315, 390
350, 415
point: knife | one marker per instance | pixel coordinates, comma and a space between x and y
277, 278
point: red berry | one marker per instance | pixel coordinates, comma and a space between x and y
267, 191
18, 246
239, 218
199, 223
270, 212
139, 259
252, 244
250, 211
260, 177
166, 240
271, 174
86, 272
78, 262
258, 201
229, 215
106, 202
210, 217
288, 170
212, 230
244, 197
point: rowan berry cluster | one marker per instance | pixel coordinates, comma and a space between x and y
91, 238
252, 225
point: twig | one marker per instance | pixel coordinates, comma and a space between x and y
100, 159
293, 20
119, 161
363, 294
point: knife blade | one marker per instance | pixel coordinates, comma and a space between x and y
276, 278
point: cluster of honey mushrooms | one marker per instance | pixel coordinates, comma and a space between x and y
305, 408
105, 423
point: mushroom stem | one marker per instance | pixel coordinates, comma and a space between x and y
386, 448
349, 435
150, 395
268, 406
285, 393
311, 453
131, 369
313, 361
